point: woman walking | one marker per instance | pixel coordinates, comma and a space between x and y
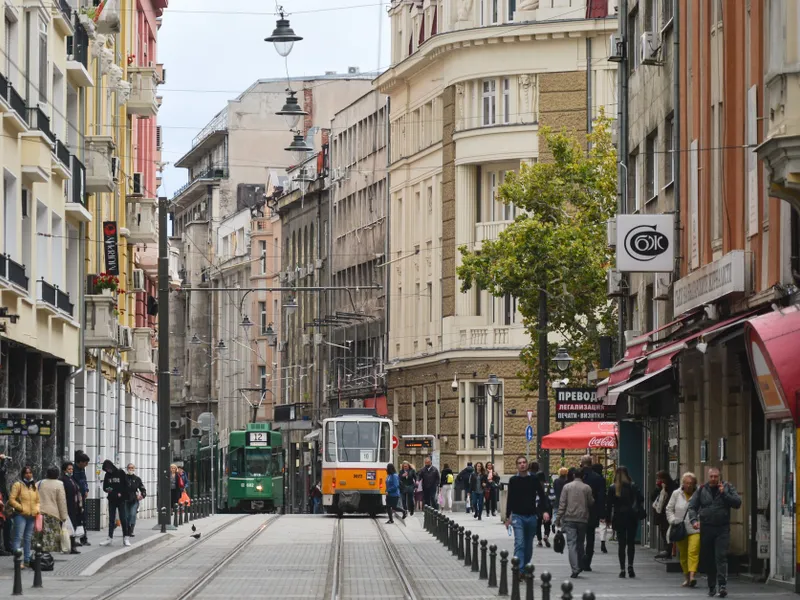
175, 485
681, 530
24, 500
74, 497
392, 492
625, 508
492, 487
408, 480
477, 485
665, 486
53, 506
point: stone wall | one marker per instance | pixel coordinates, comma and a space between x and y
449, 282
562, 104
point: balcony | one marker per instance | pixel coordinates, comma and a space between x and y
61, 166
100, 329
41, 122
216, 172
144, 84
62, 17
142, 221
492, 337
13, 275
37, 148
75, 205
141, 357
17, 117
78, 56
53, 300
489, 231
63, 303
5, 105
99, 158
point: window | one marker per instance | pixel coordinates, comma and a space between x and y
509, 310
634, 191
43, 74
512, 7
430, 302
649, 324
479, 419
330, 442
633, 41
262, 311
651, 15
486, 416
495, 10
489, 101
667, 12
262, 377
482, 10
430, 199
669, 150
716, 171
11, 49
493, 196
506, 100
651, 171
263, 246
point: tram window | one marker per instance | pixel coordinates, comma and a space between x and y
357, 441
259, 463
385, 442
236, 462
330, 443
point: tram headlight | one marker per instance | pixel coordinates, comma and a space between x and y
259, 488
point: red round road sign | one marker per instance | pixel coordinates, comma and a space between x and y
395, 442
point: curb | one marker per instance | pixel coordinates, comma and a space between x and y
109, 560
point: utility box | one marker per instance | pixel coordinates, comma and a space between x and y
91, 514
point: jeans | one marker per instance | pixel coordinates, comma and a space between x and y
447, 496
524, 531
477, 503
576, 538
113, 507
23, 533
408, 501
591, 532
714, 542
626, 528
131, 508
430, 497
317, 505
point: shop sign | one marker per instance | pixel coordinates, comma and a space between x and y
730, 274
575, 405
111, 247
26, 427
645, 243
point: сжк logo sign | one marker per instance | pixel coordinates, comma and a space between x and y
644, 243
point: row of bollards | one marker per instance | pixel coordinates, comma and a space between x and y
199, 508
463, 544
37, 569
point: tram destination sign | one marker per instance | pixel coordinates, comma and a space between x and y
257, 439
580, 404
411, 443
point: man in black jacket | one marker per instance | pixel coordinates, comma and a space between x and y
710, 512
115, 485
5, 524
430, 483
463, 479
524, 499
598, 485
136, 492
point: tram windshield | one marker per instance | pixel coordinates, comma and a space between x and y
252, 463
359, 441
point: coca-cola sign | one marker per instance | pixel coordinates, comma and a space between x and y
608, 441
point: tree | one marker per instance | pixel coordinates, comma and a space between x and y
557, 244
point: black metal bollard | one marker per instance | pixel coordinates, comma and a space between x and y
484, 574
454, 539
515, 579
503, 589
183, 514
475, 565
492, 566
468, 542
546, 578
175, 515
529, 581
566, 589
588, 595
17, 590
446, 532
425, 523
37, 565
460, 535
192, 509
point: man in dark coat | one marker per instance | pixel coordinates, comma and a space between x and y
115, 485
463, 479
79, 475
430, 483
598, 485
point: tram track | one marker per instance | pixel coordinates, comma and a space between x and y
196, 586
394, 558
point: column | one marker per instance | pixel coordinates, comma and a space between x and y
466, 198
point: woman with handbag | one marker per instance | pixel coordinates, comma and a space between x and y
24, 502
625, 508
681, 531
74, 495
53, 506
492, 487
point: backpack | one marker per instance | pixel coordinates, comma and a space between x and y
450, 479
46, 562
559, 542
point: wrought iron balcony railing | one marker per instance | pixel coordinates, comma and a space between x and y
17, 103
78, 44
214, 172
38, 120
15, 273
63, 303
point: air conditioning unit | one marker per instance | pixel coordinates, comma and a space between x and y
138, 184
306, 339
301, 272
648, 48
174, 424
138, 281
125, 341
283, 276
319, 264
617, 45
661, 287
614, 283
197, 432
611, 233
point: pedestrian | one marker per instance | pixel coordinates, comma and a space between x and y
541, 508
625, 508
136, 493
574, 512
79, 475
175, 485
558, 485
418, 498
24, 501
492, 488
598, 468
681, 531
408, 481
524, 493
463, 478
665, 486
74, 497
477, 485
430, 483
5, 523
598, 485
447, 485
115, 485
53, 507
184, 478
710, 512
392, 493
316, 499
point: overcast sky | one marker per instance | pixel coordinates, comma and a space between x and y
212, 54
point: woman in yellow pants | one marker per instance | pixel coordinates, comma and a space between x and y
677, 513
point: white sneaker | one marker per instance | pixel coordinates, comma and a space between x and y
107, 542
126, 541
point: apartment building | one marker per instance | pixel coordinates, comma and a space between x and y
469, 87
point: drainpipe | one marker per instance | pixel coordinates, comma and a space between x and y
676, 119
622, 157
80, 386
118, 427
589, 99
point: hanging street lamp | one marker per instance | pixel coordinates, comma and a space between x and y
283, 36
292, 112
299, 148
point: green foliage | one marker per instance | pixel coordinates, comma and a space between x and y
557, 244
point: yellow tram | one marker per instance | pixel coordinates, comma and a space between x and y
356, 446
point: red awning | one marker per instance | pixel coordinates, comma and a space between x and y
773, 342
582, 436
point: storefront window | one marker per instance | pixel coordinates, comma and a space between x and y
785, 510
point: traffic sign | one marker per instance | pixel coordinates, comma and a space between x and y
529, 433
395, 442
530, 415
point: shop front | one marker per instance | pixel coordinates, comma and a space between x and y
772, 342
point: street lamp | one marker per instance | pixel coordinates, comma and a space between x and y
283, 36
246, 322
291, 111
195, 341
299, 148
271, 336
493, 387
221, 346
563, 359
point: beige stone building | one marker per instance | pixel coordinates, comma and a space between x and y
470, 85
